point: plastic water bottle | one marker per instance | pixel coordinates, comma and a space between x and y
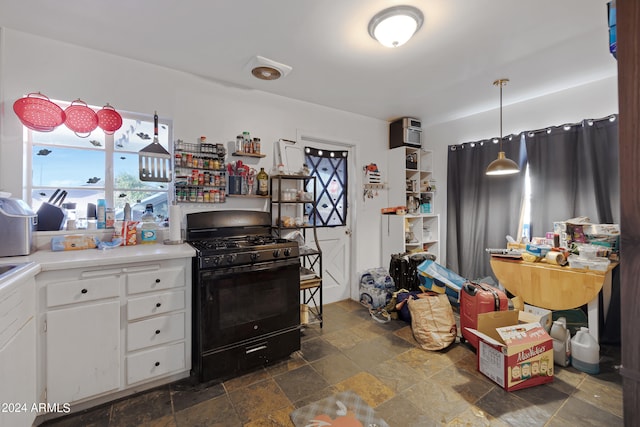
102, 213
586, 352
148, 227
561, 342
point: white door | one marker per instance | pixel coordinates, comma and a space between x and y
335, 241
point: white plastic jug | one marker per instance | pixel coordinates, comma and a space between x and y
561, 342
585, 352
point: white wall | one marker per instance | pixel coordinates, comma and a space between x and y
198, 107
595, 100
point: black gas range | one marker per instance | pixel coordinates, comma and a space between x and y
246, 293
243, 250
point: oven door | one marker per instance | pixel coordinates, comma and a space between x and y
242, 303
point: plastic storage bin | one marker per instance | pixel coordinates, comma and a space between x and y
598, 264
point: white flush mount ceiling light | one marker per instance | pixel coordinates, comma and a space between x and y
267, 69
394, 26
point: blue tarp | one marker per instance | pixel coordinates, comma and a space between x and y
439, 279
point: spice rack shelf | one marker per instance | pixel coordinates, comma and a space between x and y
243, 154
247, 196
200, 174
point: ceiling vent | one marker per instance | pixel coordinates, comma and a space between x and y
267, 69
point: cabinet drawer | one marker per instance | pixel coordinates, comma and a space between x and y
154, 331
153, 363
82, 290
154, 304
162, 278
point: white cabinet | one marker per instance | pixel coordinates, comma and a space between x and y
82, 335
114, 328
17, 354
155, 362
416, 231
158, 322
83, 351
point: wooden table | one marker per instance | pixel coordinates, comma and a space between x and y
556, 288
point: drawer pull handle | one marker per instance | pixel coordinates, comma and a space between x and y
253, 350
157, 280
158, 304
84, 291
157, 331
157, 363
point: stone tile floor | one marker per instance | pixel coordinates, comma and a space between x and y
406, 385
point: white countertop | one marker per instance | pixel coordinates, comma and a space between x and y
47, 260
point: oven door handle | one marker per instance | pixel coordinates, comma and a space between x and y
260, 347
263, 266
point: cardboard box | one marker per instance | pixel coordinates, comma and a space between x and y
532, 314
514, 356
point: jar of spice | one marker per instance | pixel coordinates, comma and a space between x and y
239, 144
256, 145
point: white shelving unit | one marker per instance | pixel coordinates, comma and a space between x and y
413, 232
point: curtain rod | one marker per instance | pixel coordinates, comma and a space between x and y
566, 126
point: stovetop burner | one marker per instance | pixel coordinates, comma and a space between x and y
246, 250
236, 238
245, 242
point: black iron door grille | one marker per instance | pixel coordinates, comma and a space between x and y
330, 170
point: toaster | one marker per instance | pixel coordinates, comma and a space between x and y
17, 227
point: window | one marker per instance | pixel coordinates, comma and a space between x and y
330, 170
99, 166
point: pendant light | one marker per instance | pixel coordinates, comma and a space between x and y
502, 165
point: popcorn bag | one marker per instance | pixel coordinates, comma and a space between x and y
129, 236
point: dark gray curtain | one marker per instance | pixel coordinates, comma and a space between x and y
481, 210
574, 172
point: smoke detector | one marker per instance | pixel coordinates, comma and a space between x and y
267, 69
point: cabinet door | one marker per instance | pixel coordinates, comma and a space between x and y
18, 373
83, 351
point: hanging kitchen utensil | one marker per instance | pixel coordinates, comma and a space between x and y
154, 162
109, 120
38, 113
80, 118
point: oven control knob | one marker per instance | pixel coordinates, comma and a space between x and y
287, 251
216, 260
231, 258
254, 256
276, 253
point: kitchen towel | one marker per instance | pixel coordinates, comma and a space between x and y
175, 220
